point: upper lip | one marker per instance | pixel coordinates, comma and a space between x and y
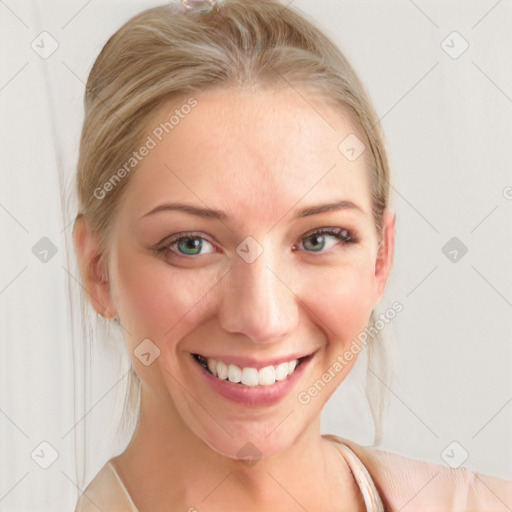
249, 362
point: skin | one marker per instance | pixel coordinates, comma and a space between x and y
259, 157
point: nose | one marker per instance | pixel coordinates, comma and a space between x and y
258, 301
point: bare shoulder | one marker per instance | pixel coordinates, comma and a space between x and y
103, 493
407, 484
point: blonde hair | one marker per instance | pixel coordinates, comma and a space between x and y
170, 52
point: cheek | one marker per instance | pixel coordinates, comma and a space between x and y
341, 299
156, 299
160, 303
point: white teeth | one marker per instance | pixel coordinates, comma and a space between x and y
291, 366
267, 376
234, 373
282, 371
222, 370
212, 366
251, 376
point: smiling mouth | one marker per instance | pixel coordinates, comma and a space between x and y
247, 376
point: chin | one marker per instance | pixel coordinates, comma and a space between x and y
251, 444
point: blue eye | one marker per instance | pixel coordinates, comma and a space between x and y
319, 238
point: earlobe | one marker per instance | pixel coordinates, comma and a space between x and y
93, 267
384, 260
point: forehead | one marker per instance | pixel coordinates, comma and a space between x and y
249, 153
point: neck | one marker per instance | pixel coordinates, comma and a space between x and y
163, 449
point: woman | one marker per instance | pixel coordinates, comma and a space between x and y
234, 219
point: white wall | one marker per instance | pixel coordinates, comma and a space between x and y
448, 125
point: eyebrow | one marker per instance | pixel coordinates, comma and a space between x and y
210, 213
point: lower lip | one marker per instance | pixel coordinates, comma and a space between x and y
253, 396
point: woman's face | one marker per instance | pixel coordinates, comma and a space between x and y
252, 286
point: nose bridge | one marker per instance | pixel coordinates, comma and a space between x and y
257, 301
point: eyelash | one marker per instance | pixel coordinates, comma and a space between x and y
345, 236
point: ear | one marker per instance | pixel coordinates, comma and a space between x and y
93, 267
384, 260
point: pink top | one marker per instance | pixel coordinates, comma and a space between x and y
112, 494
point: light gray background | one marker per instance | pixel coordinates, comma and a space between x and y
448, 126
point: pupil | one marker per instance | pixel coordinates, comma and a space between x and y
190, 244
318, 240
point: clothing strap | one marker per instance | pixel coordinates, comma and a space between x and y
371, 496
125, 491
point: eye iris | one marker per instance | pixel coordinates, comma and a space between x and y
190, 245
316, 238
